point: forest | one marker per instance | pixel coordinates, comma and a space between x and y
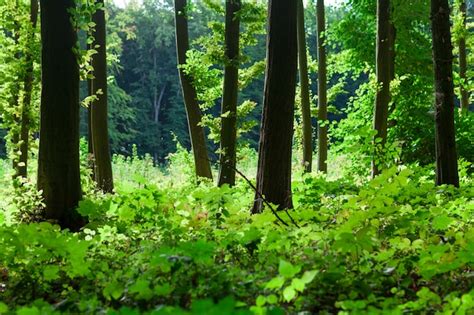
236, 157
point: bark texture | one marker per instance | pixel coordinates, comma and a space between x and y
58, 169
446, 156
463, 61
193, 112
99, 107
276, 136
322, 89
305, 97
228, 150
384, 68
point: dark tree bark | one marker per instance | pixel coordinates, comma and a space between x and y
384, 71
276, 135
463, 61
446, 156
322, 89
22, 167
58, 169
305, 97
193, 112
99, 117
228, 150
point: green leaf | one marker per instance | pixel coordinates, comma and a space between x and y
298, 284
164, 289
289, 293
288, 270
3, 308
261, 300
308, 276
442, 222
272, 299
113, 290
28, 311
51, 273
142, 289
275, 283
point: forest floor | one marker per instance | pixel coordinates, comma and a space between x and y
162, 245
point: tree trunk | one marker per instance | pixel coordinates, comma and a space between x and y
446, 156
193, 112
228, 151
157, 102
322, 89
305, 98
58, 169
90, 148
463, 61
22, 167
99, 118
14, 103
384, 77
276, 135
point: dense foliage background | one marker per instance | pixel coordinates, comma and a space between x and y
166, 243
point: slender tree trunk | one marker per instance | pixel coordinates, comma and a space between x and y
276, 136
158, 101
446, 156
14, 102
463, 61
228, 150
90, 147
58, 169
196, 132
322, 89
99, 117
384, 77
22, 167
305, 98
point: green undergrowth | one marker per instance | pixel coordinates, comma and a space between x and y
393, 245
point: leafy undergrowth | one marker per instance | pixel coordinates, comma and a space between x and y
393, 245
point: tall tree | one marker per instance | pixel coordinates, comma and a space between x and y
99, 117
463, 57
384, 77
276, 135
58, 169
22, 166
446, 155
193, 112
305, 97
15, 98
322, 89
230, 96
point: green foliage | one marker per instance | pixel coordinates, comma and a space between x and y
164, 245
392, 245
19, 41
205, 64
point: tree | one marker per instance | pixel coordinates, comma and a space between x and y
322, 89
463, 57
384, 77
196, 132
276, 135
305, 97
230, 96
445, 139
58, 161
22, 166
99, 117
